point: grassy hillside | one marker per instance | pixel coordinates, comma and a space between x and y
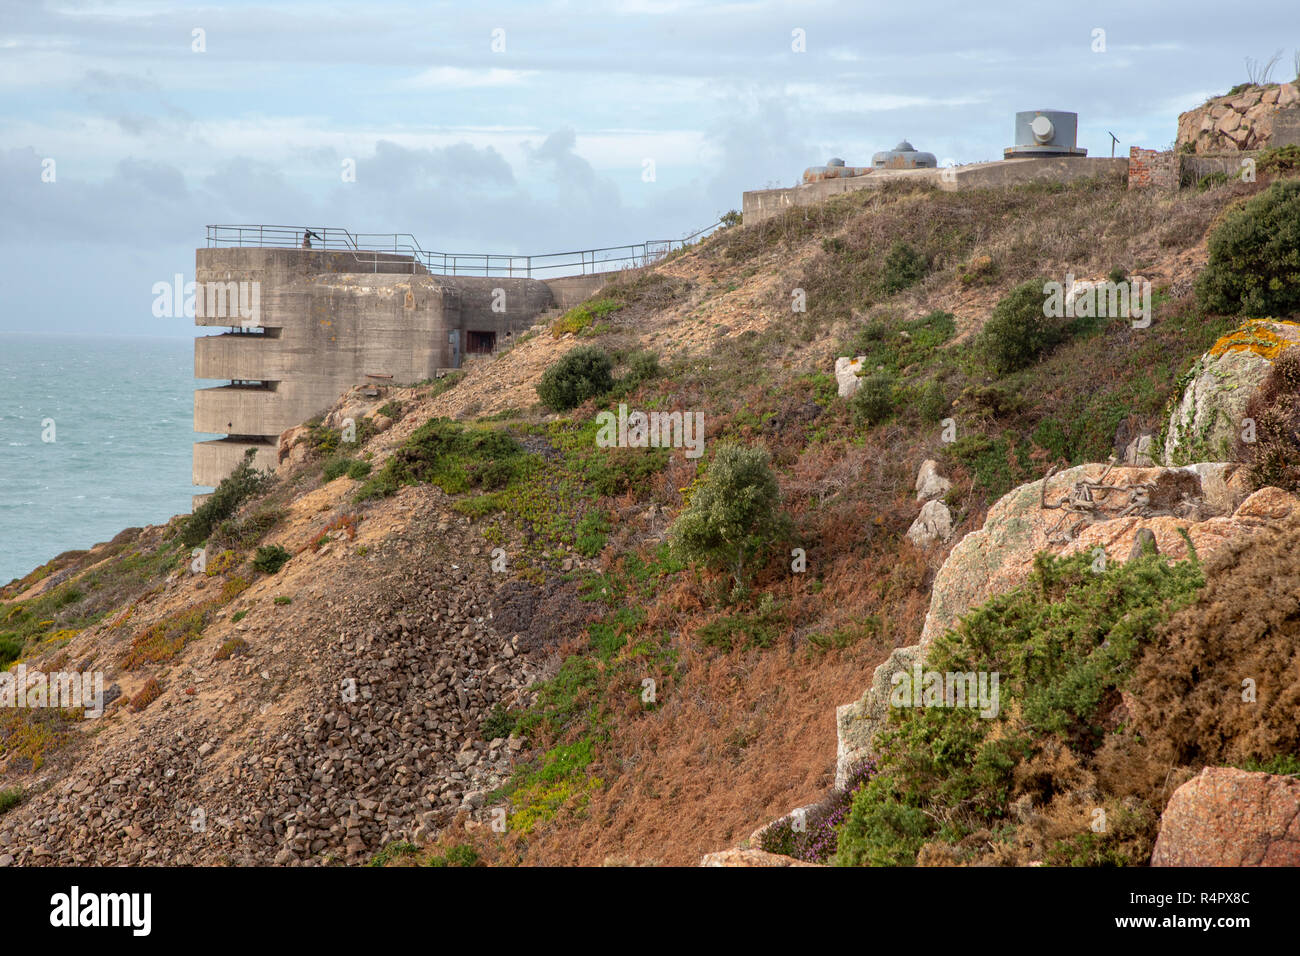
673, 710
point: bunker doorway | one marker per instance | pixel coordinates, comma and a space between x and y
480, 343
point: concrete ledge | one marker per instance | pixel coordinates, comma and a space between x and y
234, 408
214, 460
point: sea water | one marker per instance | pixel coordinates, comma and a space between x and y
96, 435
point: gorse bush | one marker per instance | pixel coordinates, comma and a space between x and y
1063, 645
1280, 159
462, 854
270, 558
904, 267
931, 404
873, 402
339, 466
733, 514
10, 797
1018, 331
642, 366
241, 484
455, 458
585, 372
1254, 265
893, 349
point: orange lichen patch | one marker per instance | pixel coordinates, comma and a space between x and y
1256, 336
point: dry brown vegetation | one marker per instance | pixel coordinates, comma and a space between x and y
741, 736
1192, 700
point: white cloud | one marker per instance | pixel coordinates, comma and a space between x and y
455, 77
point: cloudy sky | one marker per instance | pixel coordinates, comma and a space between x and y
525, 127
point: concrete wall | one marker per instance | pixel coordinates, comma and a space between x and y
573, 290
762, 204
1286, 127
1192, 169
320, 327
1041, 169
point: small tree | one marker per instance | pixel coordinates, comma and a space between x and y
1018, 331
583, 373
733, 514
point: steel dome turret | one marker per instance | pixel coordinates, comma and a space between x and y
903, 156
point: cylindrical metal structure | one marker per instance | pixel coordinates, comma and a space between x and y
1045, 133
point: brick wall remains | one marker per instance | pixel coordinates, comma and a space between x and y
1151, 167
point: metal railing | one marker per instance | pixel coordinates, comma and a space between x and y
371, 250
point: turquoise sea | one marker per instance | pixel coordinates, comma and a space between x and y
123, 413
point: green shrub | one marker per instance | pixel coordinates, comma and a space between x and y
11, 648
904, 267
931, 405
462, 854
10, 797
447, 454
590, 533
1017, 332
641, 367
336, 467
583, 373
270, 558
358, 470
500, 722
241, 484
392, 851
1254, 265
733, 513
994, 399
873, 402
758, 628
1280, 159
579, 319
235, 534
895, 349
1063, 645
